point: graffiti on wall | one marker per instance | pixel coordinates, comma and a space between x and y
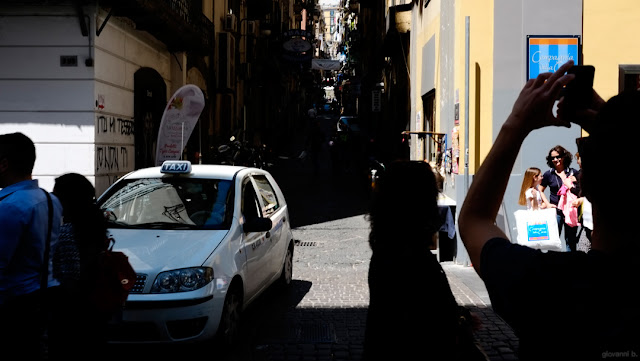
110, 159
114, 126
115, 147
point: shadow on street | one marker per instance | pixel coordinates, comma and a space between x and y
323, 186
316, 199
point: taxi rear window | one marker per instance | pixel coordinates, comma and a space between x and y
169, 203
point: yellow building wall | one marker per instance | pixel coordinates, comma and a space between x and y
207, 9
480, 14
428, 25
219, 13
433, 30
610, 38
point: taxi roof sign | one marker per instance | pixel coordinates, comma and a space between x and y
176, 167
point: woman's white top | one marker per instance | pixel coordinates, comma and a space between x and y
530, 195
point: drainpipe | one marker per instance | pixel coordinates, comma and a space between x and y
466, 107
464, 255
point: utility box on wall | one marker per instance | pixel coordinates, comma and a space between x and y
230, 23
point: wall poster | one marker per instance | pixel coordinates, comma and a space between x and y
546, 53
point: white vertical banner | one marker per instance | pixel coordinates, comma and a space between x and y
178, 120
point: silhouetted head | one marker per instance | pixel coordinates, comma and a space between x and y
17, 156
404, 207
616, 130
76, 193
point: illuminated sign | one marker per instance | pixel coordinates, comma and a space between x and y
176, 167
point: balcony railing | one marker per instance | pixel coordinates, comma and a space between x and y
177, 23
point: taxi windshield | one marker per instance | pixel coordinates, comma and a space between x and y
169, 203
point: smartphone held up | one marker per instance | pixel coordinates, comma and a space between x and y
578, 93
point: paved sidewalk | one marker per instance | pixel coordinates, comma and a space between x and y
495, 336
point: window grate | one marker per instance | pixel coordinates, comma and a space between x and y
312, 333
306, 243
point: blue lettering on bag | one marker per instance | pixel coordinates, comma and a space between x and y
538, 232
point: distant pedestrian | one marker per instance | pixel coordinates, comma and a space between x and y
312, 112
530, 196
316, 140
403, 272
561, 174
24, 262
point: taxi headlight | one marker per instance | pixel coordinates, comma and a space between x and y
182, 280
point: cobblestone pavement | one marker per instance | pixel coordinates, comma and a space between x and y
496, 338
325, 316
326, 310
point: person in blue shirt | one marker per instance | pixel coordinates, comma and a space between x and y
24, 226
594, 314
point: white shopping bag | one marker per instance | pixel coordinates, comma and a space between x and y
538, 229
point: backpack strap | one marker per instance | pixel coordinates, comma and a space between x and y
47, 247
110, 243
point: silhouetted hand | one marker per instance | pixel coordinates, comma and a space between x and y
584, 117
534, 107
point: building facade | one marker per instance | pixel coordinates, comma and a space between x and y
469, 59
89, 81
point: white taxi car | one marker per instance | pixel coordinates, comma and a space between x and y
204, 240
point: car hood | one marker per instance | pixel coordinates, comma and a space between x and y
158, 250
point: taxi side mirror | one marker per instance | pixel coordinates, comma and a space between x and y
259, 224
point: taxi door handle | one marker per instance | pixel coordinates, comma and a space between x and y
268, 234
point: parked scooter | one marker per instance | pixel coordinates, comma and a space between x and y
240, 153
228, 153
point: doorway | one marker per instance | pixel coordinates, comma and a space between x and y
149, 101
629, 78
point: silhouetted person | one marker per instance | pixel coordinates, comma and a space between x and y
412, 314
24, 226
75, 320
594, 314
315, 144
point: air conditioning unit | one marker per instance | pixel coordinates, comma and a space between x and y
251, 27
226, 56
230, 23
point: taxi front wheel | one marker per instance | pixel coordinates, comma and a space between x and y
287, 268
229, 329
